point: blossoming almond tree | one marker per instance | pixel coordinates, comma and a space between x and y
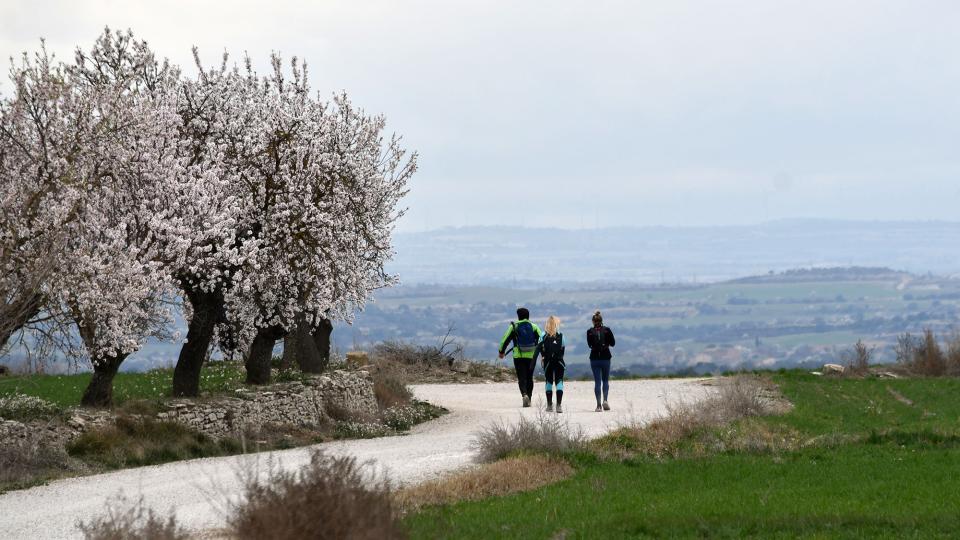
321, 191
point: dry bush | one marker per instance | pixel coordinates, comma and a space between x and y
22, 464
953, 355
543, 434
857, 360
329, 498
692, 426
401, 352
510, 475
922, 356
133, 523
133, 441
390, 389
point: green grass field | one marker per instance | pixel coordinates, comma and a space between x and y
66, 390
891, 471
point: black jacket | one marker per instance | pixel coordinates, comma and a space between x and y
600, 339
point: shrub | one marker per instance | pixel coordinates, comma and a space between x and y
404, 418
857, 360
134, 523
23, 407
25, 464
922, 356
390, 390
143, 441
401, 352
543, 434
332, 497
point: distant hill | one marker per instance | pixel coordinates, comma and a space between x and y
515, 256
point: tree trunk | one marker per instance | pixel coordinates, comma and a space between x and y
309, 348
261, 353
99, 392
207, 311
321, 343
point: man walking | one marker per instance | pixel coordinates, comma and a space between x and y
525, 337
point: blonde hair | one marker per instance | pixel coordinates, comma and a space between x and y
553, 324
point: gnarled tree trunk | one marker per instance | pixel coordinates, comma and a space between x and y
99, 392
261, 353
321, 343
207, 312
308, 348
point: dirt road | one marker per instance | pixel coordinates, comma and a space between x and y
197, 490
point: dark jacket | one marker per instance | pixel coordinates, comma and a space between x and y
558, 360
600, 339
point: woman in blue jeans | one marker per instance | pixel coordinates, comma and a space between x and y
600, 339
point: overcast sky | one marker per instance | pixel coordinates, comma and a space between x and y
579, 114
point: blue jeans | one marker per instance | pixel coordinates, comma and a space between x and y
601, 378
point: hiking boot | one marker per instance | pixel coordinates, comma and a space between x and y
526, 401
598, 409
550, 407
559, 409
606, 407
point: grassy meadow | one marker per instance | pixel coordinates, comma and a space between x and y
863, 458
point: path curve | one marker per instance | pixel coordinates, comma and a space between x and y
196, 490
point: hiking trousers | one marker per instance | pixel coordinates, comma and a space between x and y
553, 373
601, 378
524, 367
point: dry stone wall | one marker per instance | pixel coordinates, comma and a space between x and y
306, 403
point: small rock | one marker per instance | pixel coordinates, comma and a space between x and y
832, 369
357, 359
77, 422
460, 366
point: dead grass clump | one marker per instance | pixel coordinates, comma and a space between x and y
695, 427
329, 498
544, 434
133, 523
511, 475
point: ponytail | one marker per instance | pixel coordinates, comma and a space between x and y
597, 319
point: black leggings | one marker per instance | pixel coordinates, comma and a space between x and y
524, 367
553, 372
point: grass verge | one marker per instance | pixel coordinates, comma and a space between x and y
509, 475
857, 462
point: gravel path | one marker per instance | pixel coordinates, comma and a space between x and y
197, 490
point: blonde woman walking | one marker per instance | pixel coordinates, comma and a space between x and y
552, 348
